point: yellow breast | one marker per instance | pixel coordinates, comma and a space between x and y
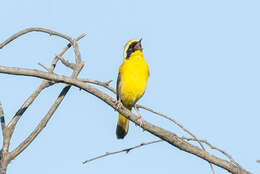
134, 73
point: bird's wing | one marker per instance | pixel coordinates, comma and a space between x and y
118, 86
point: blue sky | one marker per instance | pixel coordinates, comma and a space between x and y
204, 64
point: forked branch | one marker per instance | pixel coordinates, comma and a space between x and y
123, 150
50, 76
157, 131
8, 130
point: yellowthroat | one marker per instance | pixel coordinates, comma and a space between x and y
131, 82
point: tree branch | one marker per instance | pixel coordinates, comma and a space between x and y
28, 30
123, 150
51, 77
77, 53
29, 101
67, 63
96, 82
166, 135
179, 125
50, 113
2, 118
43, 85
5, 155
106, 85
11, 126
45, 120
40, 126
43, 66
215, 148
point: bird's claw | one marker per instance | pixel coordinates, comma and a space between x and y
140, 120
118, 104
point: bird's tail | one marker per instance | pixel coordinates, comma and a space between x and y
122, 126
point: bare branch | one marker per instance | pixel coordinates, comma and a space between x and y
123, 150
45, 120
25, 31
5, 155
50, 76
108, 82
2, 118
178, 124
166, 135
104, 84
47, 117
40, 126
168, 118
172, 120
43, 66
215, 148
77, 53
11, 125
29, 101
44, 83
41, 87
67, 63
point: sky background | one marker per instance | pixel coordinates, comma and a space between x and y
204, 72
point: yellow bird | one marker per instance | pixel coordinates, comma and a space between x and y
131, 81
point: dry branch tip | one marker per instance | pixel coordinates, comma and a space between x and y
108, 82
66, 62
127, 150
44, 67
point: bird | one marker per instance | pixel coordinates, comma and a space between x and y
131, 82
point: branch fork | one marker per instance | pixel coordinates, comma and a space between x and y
50, 76
8, 130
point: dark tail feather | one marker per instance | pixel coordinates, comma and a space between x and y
122, 126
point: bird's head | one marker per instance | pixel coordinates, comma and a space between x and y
132, 46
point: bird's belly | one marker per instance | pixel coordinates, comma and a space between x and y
133, 87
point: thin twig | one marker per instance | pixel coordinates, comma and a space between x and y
77, 53
25, 31
2, 118
108, 82
123, 150
96, 82
180, 125
43, 66
215, 148
67, 63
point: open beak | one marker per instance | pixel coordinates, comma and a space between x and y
138, 46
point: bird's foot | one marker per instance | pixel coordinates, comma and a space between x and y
118, 104
139, 119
